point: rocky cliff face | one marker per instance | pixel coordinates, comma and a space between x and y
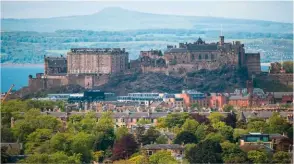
225, 79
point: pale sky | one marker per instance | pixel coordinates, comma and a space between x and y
281, 11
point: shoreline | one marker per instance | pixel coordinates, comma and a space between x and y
12, 65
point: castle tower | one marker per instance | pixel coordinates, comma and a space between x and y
221, 37
221, 40
45, 66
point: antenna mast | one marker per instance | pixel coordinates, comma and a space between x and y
221, 29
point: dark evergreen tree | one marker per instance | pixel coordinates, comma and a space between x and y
201, 119
205, 152
231, 120
185, 137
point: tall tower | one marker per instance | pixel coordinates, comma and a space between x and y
221, 37
221, 40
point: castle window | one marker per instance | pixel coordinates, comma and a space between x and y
200, 57
212, 57
206, 56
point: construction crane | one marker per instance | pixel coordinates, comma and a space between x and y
8, 92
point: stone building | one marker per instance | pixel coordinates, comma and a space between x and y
252, 62
200, 55
55, 66
97, 60
152, 61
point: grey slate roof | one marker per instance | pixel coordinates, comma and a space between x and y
278, 95
263, 114
176, 50
277, 136
162, 146
202, 47
238, 97
247, 114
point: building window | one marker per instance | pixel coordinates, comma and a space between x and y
200, 57
150, 152
206, 56
212, 57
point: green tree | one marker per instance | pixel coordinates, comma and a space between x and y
175, 119
257, 156
61, 157
224, 130
188, 148
105, 122
162, 157
82, 143
150, 136
33, 120
14, 106
205, 152
257, 126
88, 122
288, 66
228, 108
57, 157
201, 132
6, 134
216, 137
143, 122
237, 134
190, 125
36, 158
290, 132
195, 106
185, 137
120, 132
35, 139
282, 157
104, 140
232, 153
61, 142
277, 124
161, 140
215, 117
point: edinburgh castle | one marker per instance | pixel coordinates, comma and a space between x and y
90, 67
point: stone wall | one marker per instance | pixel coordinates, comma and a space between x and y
86, 81
146, 69
284, 78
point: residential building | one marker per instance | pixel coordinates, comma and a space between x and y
192, 97
176, 150
217, 100
276, 142
143, 98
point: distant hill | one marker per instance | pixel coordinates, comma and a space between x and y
121, 19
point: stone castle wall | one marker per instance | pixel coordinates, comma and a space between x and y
86, 81
284, 78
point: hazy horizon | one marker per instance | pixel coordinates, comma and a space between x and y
261, 10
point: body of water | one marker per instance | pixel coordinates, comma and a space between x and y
19, 76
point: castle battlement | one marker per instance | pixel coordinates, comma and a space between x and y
97, 50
